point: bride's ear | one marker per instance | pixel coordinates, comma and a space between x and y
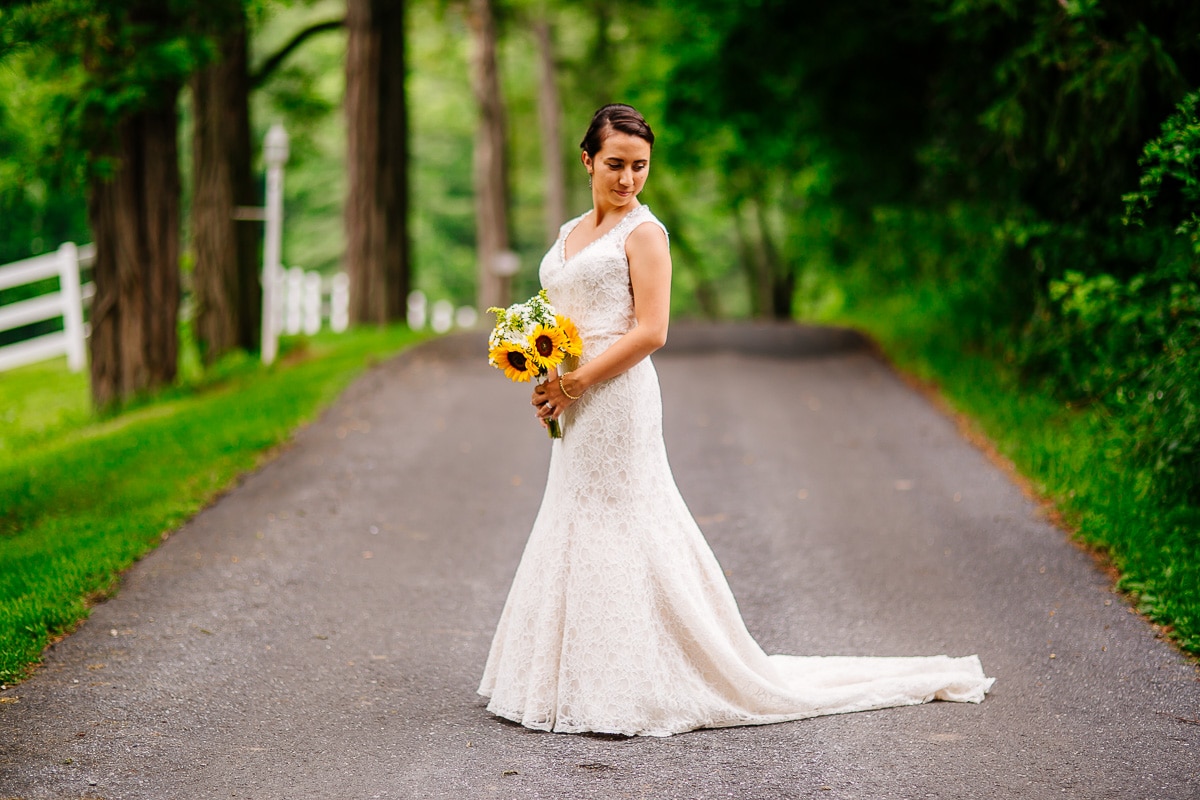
586, 159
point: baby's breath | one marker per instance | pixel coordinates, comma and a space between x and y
517, 323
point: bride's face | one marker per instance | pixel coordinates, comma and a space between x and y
619, 169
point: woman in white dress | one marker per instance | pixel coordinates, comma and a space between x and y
619, 619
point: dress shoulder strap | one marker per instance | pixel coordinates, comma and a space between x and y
636, 218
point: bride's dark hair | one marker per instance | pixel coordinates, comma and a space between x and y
614, 117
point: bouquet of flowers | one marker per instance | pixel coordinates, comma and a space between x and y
530, 340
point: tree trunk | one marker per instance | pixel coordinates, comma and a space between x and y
550, 116
134, 215
758, 276
780, 280
377, 244
772, 283
491, 169
225, 280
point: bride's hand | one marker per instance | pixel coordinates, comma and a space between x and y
541, 403
549, 401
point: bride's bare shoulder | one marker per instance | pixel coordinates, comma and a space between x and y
648, 238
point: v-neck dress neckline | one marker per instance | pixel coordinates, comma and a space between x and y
567, 235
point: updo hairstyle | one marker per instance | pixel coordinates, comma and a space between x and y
615, 117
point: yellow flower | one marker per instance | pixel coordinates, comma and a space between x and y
546, 346
573, 344
514, 361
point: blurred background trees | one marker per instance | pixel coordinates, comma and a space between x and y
121, 123
1016, 177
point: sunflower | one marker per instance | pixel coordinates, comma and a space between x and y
546, 346
514, 361
573, 342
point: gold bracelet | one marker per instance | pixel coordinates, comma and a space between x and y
564, 390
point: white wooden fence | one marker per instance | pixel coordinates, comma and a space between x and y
441, 316
304, 302
306, 299
67, 303
294, 301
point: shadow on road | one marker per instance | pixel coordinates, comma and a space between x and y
776, 339
771, 339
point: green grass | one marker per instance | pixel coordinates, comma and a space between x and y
83, 497
39, 401
1074, 458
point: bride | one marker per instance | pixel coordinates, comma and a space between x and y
619, 619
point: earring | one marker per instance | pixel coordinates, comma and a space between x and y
589, 180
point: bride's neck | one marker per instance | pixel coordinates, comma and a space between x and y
602, 213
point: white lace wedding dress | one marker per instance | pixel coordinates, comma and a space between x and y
619, 619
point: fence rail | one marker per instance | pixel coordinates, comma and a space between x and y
302, 302
67, 303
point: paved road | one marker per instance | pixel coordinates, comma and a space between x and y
320, 630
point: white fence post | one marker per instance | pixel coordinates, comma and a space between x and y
466, 317
302, 306
279, 303
442, 318
294, 303
72, 292
339, 303
417, 307
312, 302
275, 152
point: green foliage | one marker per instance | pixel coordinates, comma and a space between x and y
1171, 167
1131, 343
70, 71
41, 200
135, 55
305, 96
1132, 347
81, 498
442, 130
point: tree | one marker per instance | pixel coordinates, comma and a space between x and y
377, 240
135, 56
491, 162
134, 215
133, 208
225, 278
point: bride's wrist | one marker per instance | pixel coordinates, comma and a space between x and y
571, 386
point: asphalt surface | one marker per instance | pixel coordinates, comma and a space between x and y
320, 630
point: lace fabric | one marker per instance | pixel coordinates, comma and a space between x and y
619, 619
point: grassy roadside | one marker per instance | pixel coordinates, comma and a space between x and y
1074, 458
82, 498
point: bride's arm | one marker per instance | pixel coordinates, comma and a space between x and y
650, 277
